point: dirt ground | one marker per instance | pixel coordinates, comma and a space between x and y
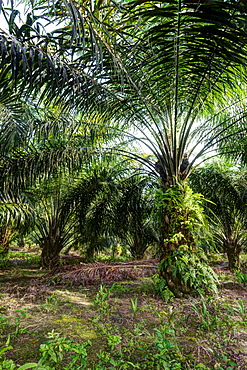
210, 330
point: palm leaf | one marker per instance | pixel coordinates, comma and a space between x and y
174, 58
98, 272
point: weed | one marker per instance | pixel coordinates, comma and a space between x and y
54, 350
102, 296
101, 300
242, 311
3, 308
163, 354
23, 313
160, 288
134, 305
113, 341
51, 303
230, 364
10, 365
241, 308
117, 287
241, 277
3, 323
105, 360
208, 321
145, 287
18, 329
170, 318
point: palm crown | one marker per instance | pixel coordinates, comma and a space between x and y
169, 70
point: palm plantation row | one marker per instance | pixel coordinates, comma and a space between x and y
107, 77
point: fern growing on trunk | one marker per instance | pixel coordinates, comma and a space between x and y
183, 264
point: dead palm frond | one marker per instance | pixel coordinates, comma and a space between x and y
99, 272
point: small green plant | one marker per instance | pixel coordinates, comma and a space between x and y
240, 309
53, 352
229, 363
105, 360
3, 323
160, 288
163, 354
51, 303
3, 308
134, 305
241, 277
23, 313
113, 341
18, 329
10, 365
208, 321
101, 299
117, 287
102, 295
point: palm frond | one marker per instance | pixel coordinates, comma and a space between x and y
98, 272
15, 210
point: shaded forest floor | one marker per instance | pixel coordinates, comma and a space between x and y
117, 310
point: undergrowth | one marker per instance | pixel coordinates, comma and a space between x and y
60, 353
135, 325
200, 334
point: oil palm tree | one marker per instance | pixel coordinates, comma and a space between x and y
36, 147
93, 198
224, 185
169, 69
182, 106
134, 220
15, 131
54, 228
113, 205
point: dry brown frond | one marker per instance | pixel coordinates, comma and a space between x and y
100, 272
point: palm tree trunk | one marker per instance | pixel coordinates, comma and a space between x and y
232, 249
90, 252
183, 265
4, 240
50, 255
137, 249
175, 238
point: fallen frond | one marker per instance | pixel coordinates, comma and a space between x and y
99, 272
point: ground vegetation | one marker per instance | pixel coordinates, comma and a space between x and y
121, 320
